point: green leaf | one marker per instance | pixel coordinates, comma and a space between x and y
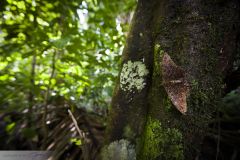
9, 128
76, 141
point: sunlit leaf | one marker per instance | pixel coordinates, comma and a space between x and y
10, 127
76, 141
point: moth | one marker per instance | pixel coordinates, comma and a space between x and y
175, 83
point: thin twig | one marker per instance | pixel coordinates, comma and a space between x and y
45, 105
82, 135
31, 91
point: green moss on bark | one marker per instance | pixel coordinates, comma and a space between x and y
161, 143
158, 53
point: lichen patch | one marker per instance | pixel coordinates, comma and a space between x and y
132, 76
122, 150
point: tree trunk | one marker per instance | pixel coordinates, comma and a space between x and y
200, 36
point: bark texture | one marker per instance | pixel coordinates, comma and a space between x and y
201, 37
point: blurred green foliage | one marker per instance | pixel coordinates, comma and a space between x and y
52, 48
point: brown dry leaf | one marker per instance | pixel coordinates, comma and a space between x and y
175, 84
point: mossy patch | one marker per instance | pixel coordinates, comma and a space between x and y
161, 143
158, 54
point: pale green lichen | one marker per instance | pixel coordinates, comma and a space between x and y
132, 76
119, 150
161, 143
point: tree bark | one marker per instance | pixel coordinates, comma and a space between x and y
201, 37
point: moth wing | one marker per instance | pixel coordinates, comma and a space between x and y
178, 95
170, 70
176, 91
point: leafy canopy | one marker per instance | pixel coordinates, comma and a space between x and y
52, 48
